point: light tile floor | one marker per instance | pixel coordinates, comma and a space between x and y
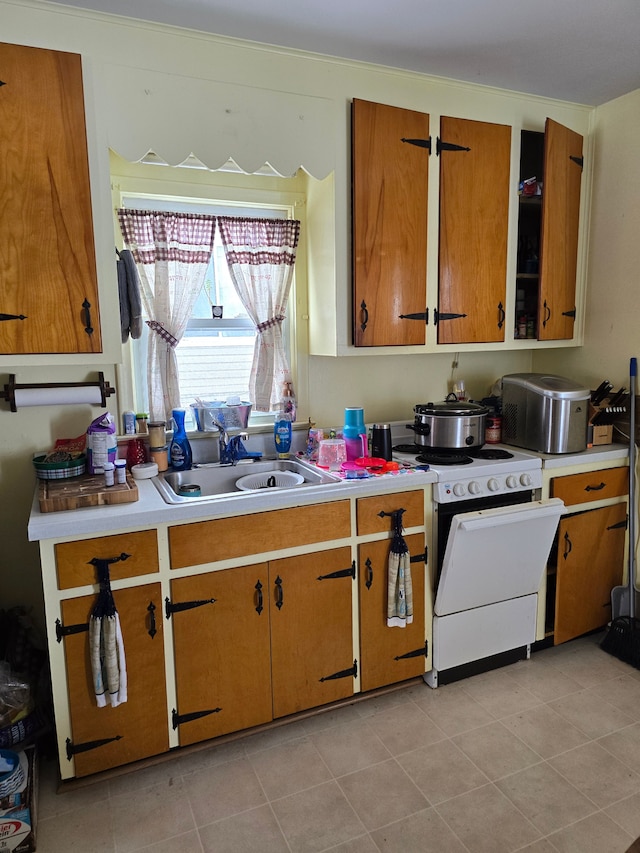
540, 756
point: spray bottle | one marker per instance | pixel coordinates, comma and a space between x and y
180, 449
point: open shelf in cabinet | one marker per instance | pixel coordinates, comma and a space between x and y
529, 234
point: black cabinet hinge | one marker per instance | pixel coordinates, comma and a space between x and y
420, 315
87, 746
579, 161
438, 316
13, 317
67, 630
419, 558
170, 607
571, 313
343, 673
421, 143
416, 653
341, 573
177, 719
619, 525
448, 146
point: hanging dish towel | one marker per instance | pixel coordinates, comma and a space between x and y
399, 589
106, 647
129, 294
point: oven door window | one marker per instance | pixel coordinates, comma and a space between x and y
496, 554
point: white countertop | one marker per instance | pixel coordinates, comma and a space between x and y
151, 509
599, 453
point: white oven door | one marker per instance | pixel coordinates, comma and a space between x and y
496, 554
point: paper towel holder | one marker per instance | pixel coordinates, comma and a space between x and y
11, 387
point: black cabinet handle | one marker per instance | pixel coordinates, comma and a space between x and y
568, 546
364, 316
547, 314
87, 313
501, 315
595, 488
279, 593
369, 581
152, 620
259, 605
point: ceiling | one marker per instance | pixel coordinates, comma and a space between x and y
585, 51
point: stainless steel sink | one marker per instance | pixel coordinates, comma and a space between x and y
219, 481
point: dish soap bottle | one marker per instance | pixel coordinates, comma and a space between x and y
180, 449
282, 434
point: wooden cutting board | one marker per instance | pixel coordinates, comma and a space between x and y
86, 490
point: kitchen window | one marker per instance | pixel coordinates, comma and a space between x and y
216, 352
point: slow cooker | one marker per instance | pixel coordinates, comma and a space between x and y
449, 425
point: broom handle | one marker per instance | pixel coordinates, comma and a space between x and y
633, 369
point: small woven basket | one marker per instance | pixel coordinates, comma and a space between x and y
59, 470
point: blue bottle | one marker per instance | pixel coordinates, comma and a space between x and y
282, 434
180, 450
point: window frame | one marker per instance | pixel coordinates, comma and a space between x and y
234, 193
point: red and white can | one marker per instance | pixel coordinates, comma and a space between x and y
493, 429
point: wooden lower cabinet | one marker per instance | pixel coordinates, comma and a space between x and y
222, 652
261, 641
311, 630
590, 563
108, 737
389, 655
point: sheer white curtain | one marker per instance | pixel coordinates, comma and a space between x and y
261, 255
172, 251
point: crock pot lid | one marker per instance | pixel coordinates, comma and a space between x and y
450, 408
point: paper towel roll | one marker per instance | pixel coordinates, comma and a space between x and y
58, 396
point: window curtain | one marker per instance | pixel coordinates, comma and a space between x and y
261, 255
172, 251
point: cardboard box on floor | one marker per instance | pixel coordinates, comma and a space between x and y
18, 810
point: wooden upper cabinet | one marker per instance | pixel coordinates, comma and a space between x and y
559, 243
474, 212
48, 281
390, 162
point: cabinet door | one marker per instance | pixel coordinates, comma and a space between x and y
48, 283
222, 652
474, 212
590, 564
390, 177
560, 218
108, 737
311, 630
388, 655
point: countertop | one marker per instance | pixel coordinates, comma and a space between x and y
150, 508
599, 453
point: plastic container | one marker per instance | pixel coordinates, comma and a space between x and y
180, 449
121, 470
129, 423
109, 479
354, 430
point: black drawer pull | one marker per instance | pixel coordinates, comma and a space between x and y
595, 488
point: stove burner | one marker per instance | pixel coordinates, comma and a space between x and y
407, 448
490, 453
436, 458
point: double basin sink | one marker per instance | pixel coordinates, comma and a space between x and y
217, 481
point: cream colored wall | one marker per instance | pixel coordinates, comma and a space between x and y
387, 387
612, 330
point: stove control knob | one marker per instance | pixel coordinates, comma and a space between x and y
494, 485
512, 482
458, 490
525, 479
474, 488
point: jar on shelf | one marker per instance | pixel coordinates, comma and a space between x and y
157, 433
141, 423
